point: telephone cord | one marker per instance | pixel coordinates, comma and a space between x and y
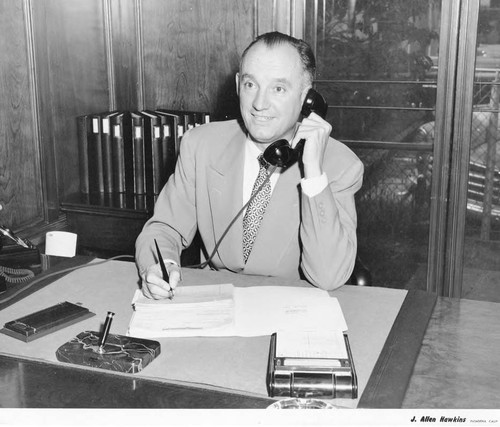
16, 275
216, 248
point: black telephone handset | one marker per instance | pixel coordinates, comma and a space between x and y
280, 153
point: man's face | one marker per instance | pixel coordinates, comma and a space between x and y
271, 87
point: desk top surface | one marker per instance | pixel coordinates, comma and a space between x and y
463, 337
233, 363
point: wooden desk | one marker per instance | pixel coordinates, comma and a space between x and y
232, 363
29, 383
232, 369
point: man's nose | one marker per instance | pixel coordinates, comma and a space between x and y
261, 100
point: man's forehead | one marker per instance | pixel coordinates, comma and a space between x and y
282, 51
282, 60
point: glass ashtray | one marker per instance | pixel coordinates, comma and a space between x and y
301, 403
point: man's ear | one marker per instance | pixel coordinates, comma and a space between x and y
304, 93
237, 79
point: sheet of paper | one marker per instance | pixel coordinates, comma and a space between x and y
325, 344
263, 310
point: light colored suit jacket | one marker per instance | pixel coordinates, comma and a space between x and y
314, 236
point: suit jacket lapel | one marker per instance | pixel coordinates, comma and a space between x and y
225, 183
280, 223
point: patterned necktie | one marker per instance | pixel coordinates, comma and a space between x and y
256, 208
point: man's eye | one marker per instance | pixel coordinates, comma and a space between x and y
279, 89
248, 85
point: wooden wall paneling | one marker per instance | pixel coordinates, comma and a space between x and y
283, 16
191, 52
265, 16
298, 18
21, 196
72, 80
279, 15
313, 25
125, 41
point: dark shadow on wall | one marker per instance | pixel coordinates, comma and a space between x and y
227, 106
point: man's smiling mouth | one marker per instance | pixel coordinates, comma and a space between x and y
262, 118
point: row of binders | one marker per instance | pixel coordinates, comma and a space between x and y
131, 152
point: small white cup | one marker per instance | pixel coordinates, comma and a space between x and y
60, 243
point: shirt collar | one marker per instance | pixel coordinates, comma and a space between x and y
251, 149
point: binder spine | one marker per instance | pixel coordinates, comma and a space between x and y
128, 152
96, 178
107, 156
118, 151
123, 153
168, 153
82, 126
169, 143
138, 155
157, 158
153, 151
148, 154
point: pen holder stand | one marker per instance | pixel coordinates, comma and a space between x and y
120, 353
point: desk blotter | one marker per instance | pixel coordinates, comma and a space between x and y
121, 353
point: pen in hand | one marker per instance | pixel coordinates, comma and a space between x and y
105, 332
164, 271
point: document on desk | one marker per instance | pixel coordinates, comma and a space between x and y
225, 310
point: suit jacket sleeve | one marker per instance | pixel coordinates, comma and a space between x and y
173, 223
328, 226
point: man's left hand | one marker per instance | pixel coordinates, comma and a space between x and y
316, 132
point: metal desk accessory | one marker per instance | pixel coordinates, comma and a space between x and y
307, 377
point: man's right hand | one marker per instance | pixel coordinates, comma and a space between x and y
153, 286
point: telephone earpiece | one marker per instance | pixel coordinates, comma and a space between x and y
279, 153
314, 102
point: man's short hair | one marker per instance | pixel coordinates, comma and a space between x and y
304, 50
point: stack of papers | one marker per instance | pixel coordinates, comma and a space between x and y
225, 310
193, 308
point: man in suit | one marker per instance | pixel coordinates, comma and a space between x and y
308, 228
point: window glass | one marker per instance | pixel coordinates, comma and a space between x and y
481, 275
377, 68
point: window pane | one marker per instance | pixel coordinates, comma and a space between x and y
377, 68
393, 211
377, 111
376, 40
482, 234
